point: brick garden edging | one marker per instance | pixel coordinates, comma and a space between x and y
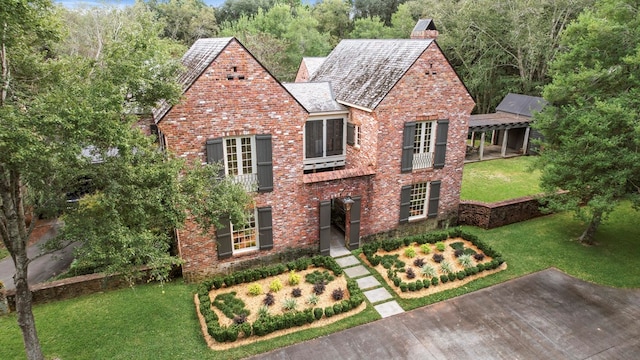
492, 215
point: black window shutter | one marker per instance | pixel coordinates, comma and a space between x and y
265, 163
405, 202
351, 134
407, 146
434, 198
215, 153
354, 227
265, 228
441, 144
223, 237
325, 227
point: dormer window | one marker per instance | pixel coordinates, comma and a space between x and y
324, 143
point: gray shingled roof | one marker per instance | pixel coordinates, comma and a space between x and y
518, 104
424, 24
315, 97
313, 64
362, 72
195, 61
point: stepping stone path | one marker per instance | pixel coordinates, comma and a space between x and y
372, 289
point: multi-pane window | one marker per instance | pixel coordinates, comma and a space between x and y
418, 205
239, 155
246, 237
324, 143
423, 144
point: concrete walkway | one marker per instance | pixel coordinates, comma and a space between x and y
546, 315
372, 289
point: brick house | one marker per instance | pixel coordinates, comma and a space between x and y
373, 143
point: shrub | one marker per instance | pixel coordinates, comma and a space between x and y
427, 283
404, 287
460, 275
269, 299
434, 281
337, 308
458, 252
346, 305
452, 276
232, 334
317, 313
328, 311
410, 273
480, 267
411, 286
316, 276
469, 251
465, 261
230, 305
437, 258
419, 262
419, 285
410, 252
313, 299
446, 267
255, 289
217, 282
425, 248
275, 285
440, 246
318, 288
263, 311
396, 281
296, 292
478, 257
428, 271
294, 279
458, 245
229, 280
444, 279
289, 304
337, 294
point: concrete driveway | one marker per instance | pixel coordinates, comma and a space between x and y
43, 266
546, 315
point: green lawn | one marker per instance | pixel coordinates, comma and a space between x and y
501, 179
154, 322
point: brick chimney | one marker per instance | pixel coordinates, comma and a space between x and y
424, 29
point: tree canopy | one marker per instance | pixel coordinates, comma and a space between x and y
591, 128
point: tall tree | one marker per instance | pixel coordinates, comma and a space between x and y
372, 8
233, 10
59, 114
185, 20
592, 128
333, 17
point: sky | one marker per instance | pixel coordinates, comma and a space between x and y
76, 3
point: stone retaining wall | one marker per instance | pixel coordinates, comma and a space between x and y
491, 215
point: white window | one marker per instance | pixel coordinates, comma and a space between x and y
325, 143
356, 136
245, 238
424, 144
418, 205
240, 162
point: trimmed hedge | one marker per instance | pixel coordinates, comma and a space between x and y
266, 324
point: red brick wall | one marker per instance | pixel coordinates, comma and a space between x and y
303, 73
216, 107
416, 97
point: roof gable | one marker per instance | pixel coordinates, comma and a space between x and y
315, 97
519, 104
195, 62
363, 72
313, 64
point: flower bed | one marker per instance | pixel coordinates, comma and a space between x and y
261, 303
420, 265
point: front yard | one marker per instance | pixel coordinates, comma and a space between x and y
160, 322
501, 179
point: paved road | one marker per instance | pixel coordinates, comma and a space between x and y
546, 315
43, 266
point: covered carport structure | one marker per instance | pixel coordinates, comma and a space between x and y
509, 128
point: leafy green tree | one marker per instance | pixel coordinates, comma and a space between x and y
591, 128
369, 28
333, 17
185, 20
61, 113
292, 29
233, 10
382, 9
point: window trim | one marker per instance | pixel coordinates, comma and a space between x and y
256, 232
425, 193
325, 161
424, 153
250, 180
